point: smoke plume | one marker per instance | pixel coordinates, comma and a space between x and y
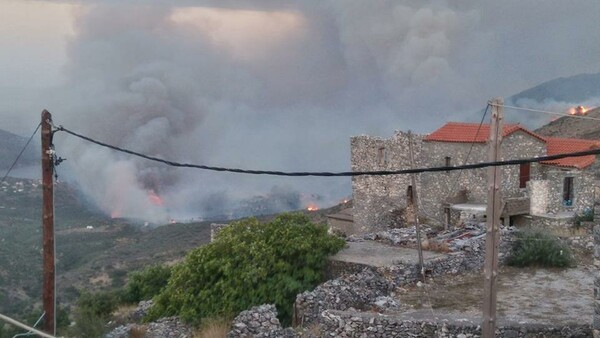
282, 85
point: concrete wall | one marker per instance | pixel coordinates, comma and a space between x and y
377, 196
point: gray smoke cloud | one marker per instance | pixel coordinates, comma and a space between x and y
287, 87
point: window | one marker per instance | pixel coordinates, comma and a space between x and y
448, 160
568, 191
409, 195
524, 173
381, 156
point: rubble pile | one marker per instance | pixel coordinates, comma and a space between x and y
259, 321
399, 237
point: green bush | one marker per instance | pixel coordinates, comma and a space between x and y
536, 248
250, 263
92, 313
146, 283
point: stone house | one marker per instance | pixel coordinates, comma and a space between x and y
544, 190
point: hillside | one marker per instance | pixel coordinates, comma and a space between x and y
577, 88
87, 258
573, 127
11, 145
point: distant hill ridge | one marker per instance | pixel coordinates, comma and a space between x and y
577, 88
11, 145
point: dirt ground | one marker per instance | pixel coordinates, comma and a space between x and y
525, 295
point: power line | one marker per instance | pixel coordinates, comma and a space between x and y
20, 153
334, 174
471, 147
550, 112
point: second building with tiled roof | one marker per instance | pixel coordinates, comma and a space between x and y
544, 190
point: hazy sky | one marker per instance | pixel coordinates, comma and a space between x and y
267, 84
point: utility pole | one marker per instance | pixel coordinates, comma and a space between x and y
492, 237
48, 291
415, 204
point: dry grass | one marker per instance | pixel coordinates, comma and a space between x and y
138, 331
214, 328
438, 247
122, 313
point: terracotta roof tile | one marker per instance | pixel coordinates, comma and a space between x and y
468, 132
557, 146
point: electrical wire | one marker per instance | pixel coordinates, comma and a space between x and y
334, 174
20, 153
547, 112
470, 148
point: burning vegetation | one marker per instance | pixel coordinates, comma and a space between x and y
579, 110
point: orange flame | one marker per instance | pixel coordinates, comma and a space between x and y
154, 198
312, 207
578, 111
115, 214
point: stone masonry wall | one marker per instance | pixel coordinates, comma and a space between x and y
378, 195
351, 324
583, 188
360, 290
538, 193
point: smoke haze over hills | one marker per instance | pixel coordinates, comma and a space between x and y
282, 85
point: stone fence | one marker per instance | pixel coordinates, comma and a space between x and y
368, 324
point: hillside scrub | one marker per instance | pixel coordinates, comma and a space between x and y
250, 263
537, 248
146, 283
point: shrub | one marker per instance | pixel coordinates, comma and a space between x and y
146, 283
101, 304
250, 263
536, 248
93, 310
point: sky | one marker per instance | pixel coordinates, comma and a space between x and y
278, 85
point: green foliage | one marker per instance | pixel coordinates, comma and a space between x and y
101, 304
250, 263
146, 283
87, 324
93, 311
536, 248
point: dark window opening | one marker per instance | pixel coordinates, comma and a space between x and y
409, 195
568, 191
381, 156
448, 161
524, 174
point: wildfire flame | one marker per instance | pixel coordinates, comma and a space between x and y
154, 198
115, 214
578, 111
312, 207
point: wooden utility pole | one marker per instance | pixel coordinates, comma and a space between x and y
492, 237
415, 204
48, 296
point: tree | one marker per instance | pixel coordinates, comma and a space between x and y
250, 263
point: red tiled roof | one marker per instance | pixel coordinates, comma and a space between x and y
557, 146
467, 132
